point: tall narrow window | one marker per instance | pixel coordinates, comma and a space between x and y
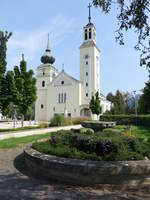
43, 83
62, 98
90, 35
42, 106
85, 34
59, 98
65, 97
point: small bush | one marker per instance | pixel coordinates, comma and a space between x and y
60, 120
57, 120
43, 125
79, 120
87, 131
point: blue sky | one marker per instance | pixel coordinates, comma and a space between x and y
31, 20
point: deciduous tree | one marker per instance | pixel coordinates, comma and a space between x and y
135, 15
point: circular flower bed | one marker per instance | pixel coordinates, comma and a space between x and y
85, 144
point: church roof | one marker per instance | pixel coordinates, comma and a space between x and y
63, 72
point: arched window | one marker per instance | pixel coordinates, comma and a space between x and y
43, 83
65, 97
59, 98
86, 34
42, 106
62, 98
90, 33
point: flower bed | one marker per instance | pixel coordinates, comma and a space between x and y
108, 146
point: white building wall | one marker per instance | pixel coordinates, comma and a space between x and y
73, 100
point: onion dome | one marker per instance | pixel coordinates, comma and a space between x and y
47, 58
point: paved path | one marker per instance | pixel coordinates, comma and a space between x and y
15, 184
7, 135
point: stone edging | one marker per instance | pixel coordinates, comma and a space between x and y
85, 172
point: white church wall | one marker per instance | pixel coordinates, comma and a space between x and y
41, 105
72, 89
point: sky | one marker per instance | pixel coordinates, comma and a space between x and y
32, 20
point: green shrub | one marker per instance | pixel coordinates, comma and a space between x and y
87, 131
57, 120
141, 120
60, 120
79, 120
43, 125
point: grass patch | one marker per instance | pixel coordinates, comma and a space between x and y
139, 131
16, 142
19, 129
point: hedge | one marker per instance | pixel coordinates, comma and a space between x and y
140, 120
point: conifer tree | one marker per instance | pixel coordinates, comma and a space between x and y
119, 107
95, 106
144, 102
4, 36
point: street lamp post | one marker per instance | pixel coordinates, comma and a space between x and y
14, 120
135, 103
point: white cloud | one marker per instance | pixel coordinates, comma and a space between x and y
31, 42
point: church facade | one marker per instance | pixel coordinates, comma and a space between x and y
63, 94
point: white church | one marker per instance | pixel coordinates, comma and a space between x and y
63, 94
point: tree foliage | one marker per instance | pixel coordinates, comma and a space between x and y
144, 102
110, 97
26, 88
119, 107
134, 15
95, 106
4, 36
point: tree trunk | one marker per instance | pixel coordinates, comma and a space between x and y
22, 121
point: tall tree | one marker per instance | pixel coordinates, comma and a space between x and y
9, 92
144, 102
119, 107
110, 97
26, 88
4, 36
95, 106
134, 14
129, 102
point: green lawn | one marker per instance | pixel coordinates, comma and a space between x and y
140, 131
16, 142
20, 128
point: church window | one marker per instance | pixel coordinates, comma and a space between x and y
85, 34
86, 94
62, 98
86, 84
42, 106
43, 83
43, 73
86, 73
62, 82
86, 56
90, 35
59, 98
65, 96
86, 63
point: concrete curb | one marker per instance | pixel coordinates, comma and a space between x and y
86, 172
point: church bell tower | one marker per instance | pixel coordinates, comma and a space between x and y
89, 62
